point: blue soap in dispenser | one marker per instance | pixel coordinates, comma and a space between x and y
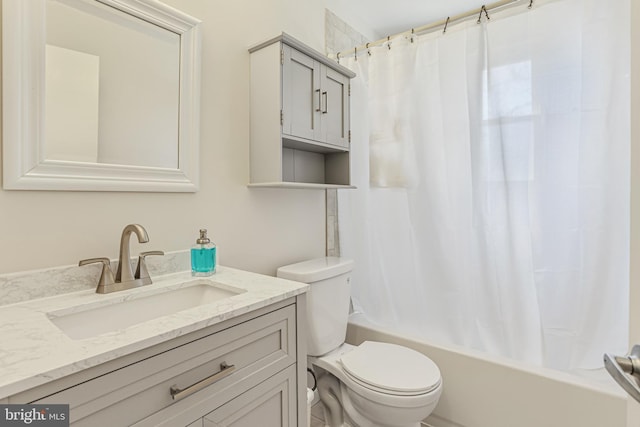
203, 256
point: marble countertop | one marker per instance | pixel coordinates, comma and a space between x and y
33, 351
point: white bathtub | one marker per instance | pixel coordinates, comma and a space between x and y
486, 391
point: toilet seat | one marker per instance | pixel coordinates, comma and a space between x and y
357, 389
411, 373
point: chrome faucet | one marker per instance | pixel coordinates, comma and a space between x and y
125, 278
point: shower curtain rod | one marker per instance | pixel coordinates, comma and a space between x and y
439, 24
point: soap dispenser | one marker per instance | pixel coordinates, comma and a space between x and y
203, 256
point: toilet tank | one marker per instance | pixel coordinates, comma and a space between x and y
327, 300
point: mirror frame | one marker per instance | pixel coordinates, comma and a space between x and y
23, 76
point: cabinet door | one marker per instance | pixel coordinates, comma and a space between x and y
301, 97
270, 404
335, 107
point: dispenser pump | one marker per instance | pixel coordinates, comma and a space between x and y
203, 239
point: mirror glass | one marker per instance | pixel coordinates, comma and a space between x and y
112, 87
113, 96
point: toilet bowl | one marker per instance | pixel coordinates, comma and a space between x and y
377, 384
373, 384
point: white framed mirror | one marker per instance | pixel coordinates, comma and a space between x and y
100, 95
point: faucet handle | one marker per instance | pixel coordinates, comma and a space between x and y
141, 270
106, 276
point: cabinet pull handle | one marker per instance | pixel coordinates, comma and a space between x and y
225, 370
319, 101
326, 103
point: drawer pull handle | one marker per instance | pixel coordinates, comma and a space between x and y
225, 370
319, 101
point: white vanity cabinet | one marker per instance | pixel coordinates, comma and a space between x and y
249, 370
300, 131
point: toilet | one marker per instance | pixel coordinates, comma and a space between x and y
372, 384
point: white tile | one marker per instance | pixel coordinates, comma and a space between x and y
332, 201
330, 233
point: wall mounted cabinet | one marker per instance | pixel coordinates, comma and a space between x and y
300, 133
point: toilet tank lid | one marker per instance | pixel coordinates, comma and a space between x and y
316, 269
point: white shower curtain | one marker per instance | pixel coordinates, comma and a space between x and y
492, 208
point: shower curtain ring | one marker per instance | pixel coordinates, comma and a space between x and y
486, 13
368, 50
338, 57
355, 53
413, 32
446, 24
530, 4
389, 42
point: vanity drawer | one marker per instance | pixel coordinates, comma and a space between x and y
257, 349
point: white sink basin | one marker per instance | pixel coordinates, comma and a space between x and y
140, 308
